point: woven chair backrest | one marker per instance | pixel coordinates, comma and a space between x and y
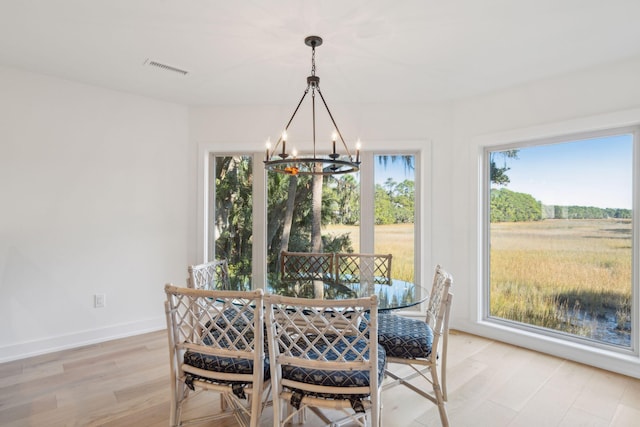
213, 275
363, 268
438, 299
306, 266
346, 330
224, 323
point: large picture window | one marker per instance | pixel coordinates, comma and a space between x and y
560, 236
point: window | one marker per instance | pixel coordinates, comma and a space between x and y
560, 236
395, 212
230, 226
386, 223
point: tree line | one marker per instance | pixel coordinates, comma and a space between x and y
511, 206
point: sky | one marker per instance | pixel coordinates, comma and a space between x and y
592, 172
395, 170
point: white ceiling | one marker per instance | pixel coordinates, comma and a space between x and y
374, 51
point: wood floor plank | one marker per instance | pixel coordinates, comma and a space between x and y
23, 410
11, 368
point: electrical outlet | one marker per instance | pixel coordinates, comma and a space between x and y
99, 300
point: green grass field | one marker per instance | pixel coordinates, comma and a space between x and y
568, 275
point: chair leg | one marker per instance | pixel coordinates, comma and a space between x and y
439, 395
443, 371
173, 421
376, 416
172, 417
277, 410
256, 408
180, 394
443, 363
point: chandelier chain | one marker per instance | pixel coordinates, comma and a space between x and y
313, 114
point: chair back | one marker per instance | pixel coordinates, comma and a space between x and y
305, 266
363, 268
213, 275
439, 304
216, 338
324, 350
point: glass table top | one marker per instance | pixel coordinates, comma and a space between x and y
396, 294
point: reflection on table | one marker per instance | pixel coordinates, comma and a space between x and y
395, 294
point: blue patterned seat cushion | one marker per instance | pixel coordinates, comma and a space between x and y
344, 378
403, 337
230, 365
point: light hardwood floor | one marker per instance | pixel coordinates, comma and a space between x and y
125, 383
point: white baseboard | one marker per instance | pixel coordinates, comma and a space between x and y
79, 339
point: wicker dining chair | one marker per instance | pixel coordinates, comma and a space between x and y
216, 344
213, 275
324, 355
306, 266
421, 345
363, 268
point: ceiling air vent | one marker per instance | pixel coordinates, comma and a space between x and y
165, 67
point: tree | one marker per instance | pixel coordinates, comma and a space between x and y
498, 175
316, 210
288, 215
233, 211
395, 202
383, 206
509, 206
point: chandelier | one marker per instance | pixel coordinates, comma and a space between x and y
336, 162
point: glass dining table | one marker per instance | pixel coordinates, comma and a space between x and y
392, 295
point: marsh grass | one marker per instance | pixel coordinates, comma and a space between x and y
564, 275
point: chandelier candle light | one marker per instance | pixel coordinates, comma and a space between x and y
279, 160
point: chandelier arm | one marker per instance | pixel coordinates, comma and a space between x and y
275, 149
344, 144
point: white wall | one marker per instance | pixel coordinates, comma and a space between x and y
598, 98
92, 200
